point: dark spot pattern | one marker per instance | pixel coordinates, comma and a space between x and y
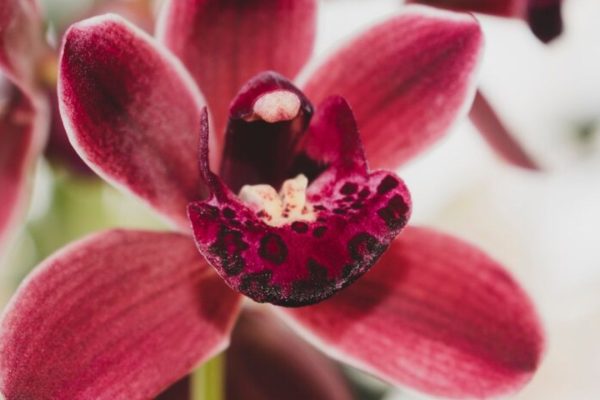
349, 188
257, 286
394, 213
228, 248
273, 248
300, 227
228, 213
319, 231
387, 184
364, 246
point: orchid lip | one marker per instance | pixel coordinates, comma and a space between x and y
313, 238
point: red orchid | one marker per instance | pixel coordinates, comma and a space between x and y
123, 314
543, 16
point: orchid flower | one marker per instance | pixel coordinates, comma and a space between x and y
124, 313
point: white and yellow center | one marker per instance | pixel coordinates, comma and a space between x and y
285, 207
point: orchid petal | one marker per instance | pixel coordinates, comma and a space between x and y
119, 315
492, 129
407, 79
225, 43
545, 19
23, 129
132, 112
355, 215
266, 360
434, 314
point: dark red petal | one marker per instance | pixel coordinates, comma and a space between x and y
545, 19
23, 128
408, 79
434, 314
257, 151
302, 263
496, 134
59, 149
132, 112
226, 42
267, 361
502, 8
119, 315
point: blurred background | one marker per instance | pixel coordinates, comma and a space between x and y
542, 225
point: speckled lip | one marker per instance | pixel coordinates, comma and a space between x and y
358, 214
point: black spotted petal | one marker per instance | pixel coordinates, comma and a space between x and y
304, 262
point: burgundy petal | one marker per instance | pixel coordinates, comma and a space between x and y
119, 315
497, 135
545, 19
259, 151
226, 42
408, 79
297, 263
132, 112
434, 314
59, 149
267, 361
23, 128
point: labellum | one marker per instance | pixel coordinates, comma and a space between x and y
332, 218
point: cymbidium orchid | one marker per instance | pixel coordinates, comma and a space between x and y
123, 313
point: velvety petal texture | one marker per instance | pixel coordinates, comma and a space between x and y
132, 112
434, 314
266, 360
407, 80
118, 315
226, 42
346, 219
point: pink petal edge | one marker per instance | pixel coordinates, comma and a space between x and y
132, 112
118, 315
225, 43
407, 80
434, 314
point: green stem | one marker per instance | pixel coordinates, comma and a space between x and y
208, 381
